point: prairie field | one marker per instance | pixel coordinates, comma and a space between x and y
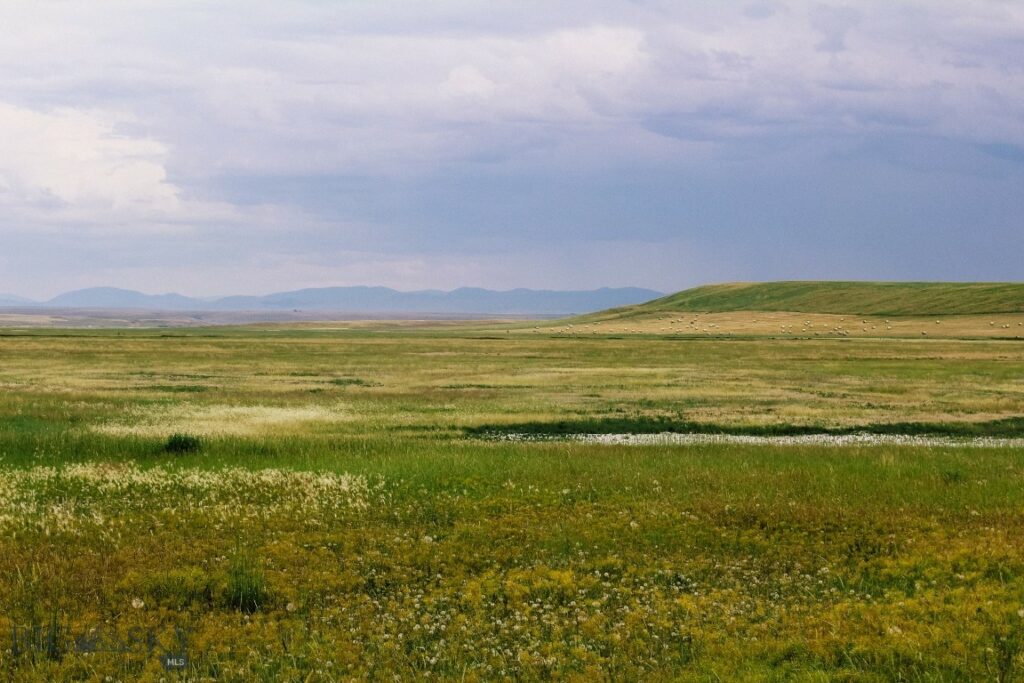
405, 501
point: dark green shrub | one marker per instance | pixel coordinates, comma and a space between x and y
182, 443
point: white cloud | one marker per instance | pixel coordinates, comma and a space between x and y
467, 81
68, 169
70, 158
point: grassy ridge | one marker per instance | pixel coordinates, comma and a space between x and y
854, 298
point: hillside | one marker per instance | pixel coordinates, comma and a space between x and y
853, 298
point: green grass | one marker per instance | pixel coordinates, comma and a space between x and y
853, 298
246, 589
354, 532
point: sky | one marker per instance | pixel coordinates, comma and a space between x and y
214, 148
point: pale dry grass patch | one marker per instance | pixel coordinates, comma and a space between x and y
220, 420
28, 319
79, 496
798, 325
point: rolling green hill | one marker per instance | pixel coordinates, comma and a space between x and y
854, 298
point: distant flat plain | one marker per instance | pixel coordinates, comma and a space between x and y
27, 316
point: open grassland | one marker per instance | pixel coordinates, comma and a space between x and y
327, 514
788, 325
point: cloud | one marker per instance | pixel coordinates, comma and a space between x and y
466, 81
69, 158
82, 170
834, 23
389, 90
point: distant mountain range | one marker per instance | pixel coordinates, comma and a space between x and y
466, 300
13, 300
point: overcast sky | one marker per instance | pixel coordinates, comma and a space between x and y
217, 148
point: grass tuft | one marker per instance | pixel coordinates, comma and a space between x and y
349, 382
180, 588
246, 590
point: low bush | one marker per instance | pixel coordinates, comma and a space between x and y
182, 443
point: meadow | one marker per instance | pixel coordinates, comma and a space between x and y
335, 502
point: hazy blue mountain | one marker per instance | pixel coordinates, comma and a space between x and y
14, 300
465, 300
112, 297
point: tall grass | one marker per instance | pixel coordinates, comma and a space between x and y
246, 589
